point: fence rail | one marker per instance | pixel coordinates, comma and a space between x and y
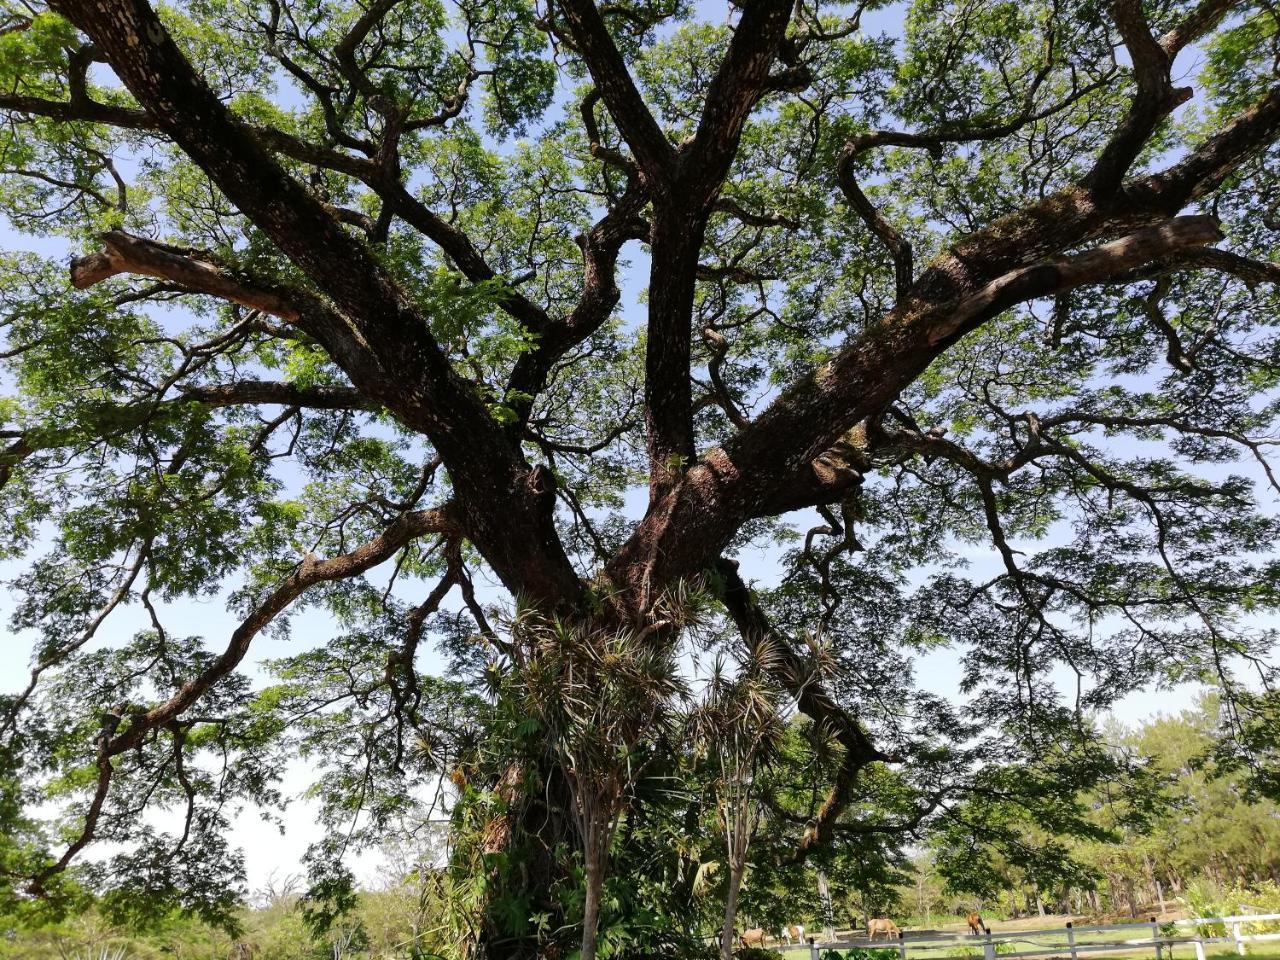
1156, 937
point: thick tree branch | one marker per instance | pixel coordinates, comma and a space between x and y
615, 158
678, 233
653, 152
731, 96
12, 455
1092, 266
1200, 20
1251, 272
1155, 98
124, 118
776, 464
387, 349
893, 241
266, 392
1204, 168
150, 64
452, 241
719, 350
759, 471
682, 187
189, 268
344, 50
679, 226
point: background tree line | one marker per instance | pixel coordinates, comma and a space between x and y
1194, 835
1183, 837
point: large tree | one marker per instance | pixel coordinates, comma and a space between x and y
344, 327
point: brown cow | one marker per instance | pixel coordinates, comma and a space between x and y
976, 926
752, 938
877, 925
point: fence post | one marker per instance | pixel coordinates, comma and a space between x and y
1071, 940
1155, 938
1199, 944
902, 945
1235, 935
988, 948
813, 948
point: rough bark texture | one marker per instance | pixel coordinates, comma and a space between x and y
1110, 227
378, 338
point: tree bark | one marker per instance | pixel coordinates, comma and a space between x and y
677, 240
736, 871
534, 823
824, 897
595, 852
374, 332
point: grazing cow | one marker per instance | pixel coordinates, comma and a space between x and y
752, 938
882, 925
976, 926
793, 933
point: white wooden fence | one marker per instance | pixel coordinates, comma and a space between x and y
1069, 941
1233, 930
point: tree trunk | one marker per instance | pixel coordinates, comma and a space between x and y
530, 829
677, 238
1213, 870
736, 871
824, 894
594, 863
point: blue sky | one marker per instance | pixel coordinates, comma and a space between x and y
266, 849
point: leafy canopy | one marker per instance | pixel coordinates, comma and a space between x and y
961, 313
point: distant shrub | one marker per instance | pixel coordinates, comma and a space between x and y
871, 953
1207, 900
1261, 898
